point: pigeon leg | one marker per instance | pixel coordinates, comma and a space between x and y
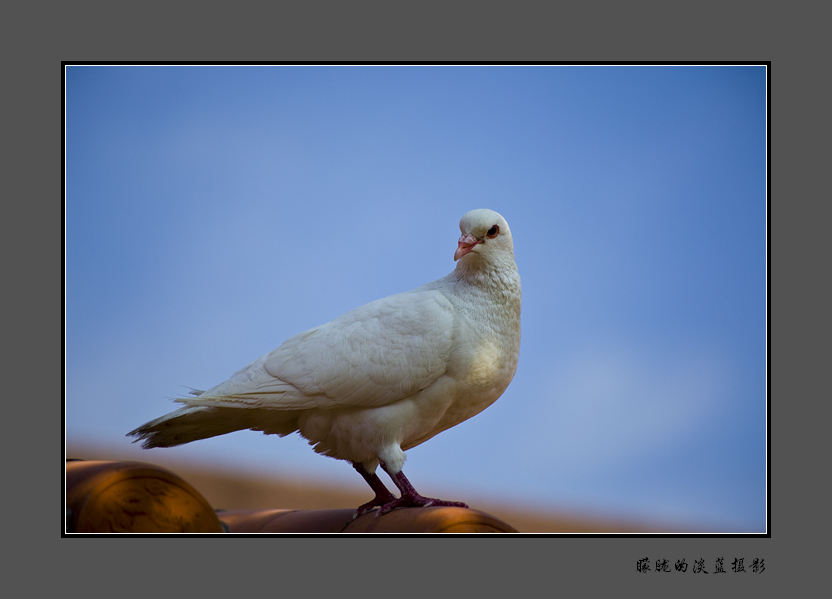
410, 498
383, 496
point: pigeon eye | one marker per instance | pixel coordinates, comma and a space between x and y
493, 232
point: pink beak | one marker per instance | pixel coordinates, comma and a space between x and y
466, 244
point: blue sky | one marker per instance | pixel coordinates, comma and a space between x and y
212, 212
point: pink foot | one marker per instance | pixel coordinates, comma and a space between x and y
410, 498
383, 496
416, 501
376, 502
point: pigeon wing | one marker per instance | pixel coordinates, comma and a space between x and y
372, 356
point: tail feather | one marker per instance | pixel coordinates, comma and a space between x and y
192, 423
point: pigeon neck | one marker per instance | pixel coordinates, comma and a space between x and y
499, 273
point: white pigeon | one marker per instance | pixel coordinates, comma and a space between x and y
382, 378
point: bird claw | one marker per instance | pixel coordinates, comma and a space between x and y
417, 501
387, 502
365, 509
377, 502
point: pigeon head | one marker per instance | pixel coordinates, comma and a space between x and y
484, 234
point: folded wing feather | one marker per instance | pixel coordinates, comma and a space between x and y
372, 356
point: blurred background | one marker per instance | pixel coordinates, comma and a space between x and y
214, 211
